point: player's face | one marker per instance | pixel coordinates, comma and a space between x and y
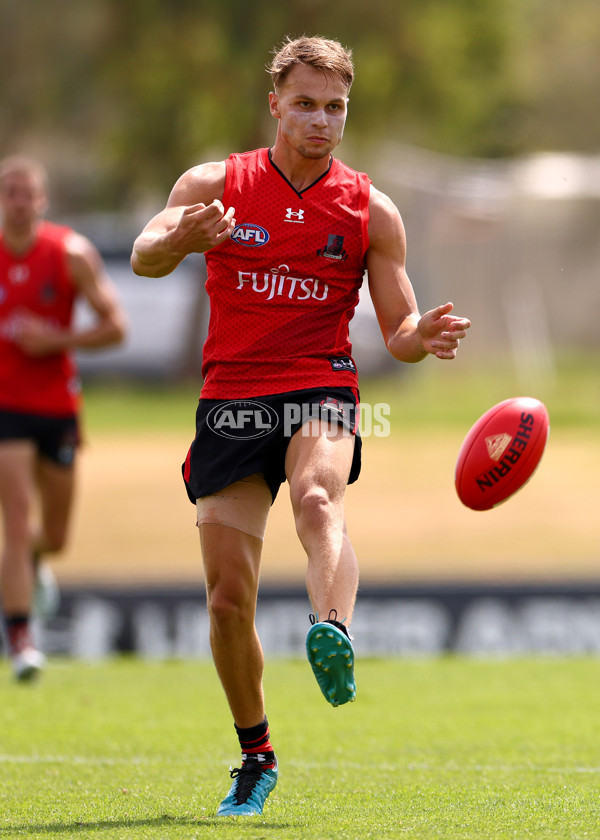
22, 200
311, 107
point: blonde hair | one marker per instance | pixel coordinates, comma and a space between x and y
321, 53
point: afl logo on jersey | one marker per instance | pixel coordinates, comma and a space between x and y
249, 234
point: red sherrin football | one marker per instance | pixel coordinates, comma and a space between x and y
501, 452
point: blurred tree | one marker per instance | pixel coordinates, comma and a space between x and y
120, 96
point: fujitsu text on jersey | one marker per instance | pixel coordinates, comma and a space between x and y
273, 284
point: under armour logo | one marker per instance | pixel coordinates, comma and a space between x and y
294, 215
18, 273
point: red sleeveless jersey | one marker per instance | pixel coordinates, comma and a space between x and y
284, 287
37, 282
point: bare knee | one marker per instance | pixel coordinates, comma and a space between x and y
231, 606
232, 567
312, 508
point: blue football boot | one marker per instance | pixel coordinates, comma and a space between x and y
331, 656
248, 793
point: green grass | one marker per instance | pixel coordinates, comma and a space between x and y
425, 395
441, 748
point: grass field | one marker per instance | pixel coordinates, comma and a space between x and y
445, 748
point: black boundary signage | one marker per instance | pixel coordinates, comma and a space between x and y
389, 620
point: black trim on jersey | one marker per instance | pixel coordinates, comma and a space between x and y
299, 193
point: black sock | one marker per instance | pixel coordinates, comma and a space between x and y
255, 744
17, 632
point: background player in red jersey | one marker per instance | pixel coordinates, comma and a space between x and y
288, 234
43, 269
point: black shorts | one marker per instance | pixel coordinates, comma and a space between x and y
237, 438
56, 438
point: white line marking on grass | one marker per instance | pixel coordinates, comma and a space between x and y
70, 759
384, 767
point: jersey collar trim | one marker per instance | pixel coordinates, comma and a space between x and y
310, 186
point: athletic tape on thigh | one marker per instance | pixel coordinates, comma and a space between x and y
243, 505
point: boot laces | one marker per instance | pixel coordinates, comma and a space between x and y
247, 776
331, 619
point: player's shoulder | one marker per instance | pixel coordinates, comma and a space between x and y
209, 172
62, 238
385, 221
84, 259
76, 244
200, 184
53, 233
380, 202
382, 209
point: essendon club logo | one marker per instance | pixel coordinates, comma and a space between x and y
334, 249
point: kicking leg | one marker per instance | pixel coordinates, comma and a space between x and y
317, 467
318, 464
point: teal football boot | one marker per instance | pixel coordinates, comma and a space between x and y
331, 656
248, 793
